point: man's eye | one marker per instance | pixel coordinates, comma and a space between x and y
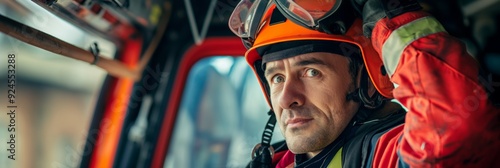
312, 72
278, 79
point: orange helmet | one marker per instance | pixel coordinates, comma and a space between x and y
269, 32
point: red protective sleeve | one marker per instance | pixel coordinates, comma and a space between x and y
386, 149
450, 121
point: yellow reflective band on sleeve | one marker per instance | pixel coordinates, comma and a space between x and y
337, 160
405, 35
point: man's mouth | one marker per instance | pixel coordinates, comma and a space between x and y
297, 122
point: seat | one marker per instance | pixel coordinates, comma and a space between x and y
207, 120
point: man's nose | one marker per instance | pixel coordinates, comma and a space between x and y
292, 94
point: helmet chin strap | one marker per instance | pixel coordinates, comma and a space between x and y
354, 96
361, 94
262, 153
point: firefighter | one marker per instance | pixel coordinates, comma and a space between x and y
331, 70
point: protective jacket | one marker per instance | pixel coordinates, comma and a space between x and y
449, 122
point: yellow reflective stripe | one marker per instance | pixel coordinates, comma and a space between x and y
337, 160
405, 35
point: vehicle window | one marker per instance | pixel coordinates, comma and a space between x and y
221, 117
55, 96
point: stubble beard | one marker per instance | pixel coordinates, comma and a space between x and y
312, 138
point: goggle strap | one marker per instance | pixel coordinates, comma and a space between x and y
338, 24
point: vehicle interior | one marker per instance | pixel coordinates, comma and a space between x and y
155, 83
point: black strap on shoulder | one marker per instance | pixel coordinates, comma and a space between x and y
394, 8
262, 154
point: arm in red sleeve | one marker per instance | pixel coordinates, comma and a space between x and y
450, 121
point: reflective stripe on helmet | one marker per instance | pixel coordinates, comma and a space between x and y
403, 36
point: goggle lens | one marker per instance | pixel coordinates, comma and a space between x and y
238, 22
307, 12
246, 16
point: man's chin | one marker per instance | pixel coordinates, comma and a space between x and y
301, 144
302, 149
297, 150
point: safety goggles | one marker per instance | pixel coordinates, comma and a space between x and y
245, 19
329, 16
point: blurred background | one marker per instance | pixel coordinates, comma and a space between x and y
56, 95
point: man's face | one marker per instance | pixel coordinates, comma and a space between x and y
308, 95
